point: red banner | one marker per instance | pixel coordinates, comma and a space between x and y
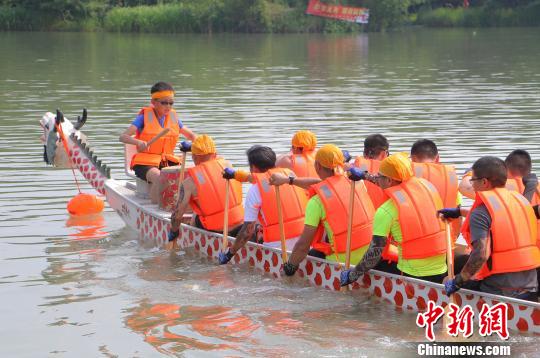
359, 15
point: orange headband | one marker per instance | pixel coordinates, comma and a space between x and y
162, 94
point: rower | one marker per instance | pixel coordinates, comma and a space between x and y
204, 190
328, 210
425, 163
520, 178
301, 157
410, 216
150, 121
375, 149
501, 229
261, 203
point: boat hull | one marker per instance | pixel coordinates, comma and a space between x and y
405, 293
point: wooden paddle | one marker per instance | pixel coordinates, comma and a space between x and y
281, 227
172, 245
225, 242
450, 265
159, 135
182, 170
349, 232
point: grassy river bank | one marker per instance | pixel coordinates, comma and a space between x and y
254, 16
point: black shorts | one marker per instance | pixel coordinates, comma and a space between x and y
232, 232
141, 170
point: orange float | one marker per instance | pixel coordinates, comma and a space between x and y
85, 204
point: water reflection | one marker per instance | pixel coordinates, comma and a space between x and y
88, 227
172, 328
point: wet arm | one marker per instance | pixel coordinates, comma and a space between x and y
478, 257
480, 224
247, 231
304, 182
301, 248
372, 256
187, 133
127, 136
184, 195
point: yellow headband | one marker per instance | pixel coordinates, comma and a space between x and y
397, 166
202, 145
329, 156
304, 139
162, 94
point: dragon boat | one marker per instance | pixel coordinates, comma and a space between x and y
152, 222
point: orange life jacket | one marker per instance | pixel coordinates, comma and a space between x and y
516, 184
444, 178
512, 233
293, 202
162, 150
334, 193
376, 193
423, 233
209, 203
303, 165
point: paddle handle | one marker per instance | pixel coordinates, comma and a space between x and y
349, 226
159, 135
225, 242
182, 169
281, 226
450, 257
181, 175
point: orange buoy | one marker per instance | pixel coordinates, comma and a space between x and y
85, 204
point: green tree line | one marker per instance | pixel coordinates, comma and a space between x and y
207, 16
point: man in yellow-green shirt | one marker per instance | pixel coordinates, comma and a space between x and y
421, 243
332, 190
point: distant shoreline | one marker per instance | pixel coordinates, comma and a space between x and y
263, 16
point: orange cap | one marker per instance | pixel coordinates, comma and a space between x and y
329, 156
397, 166
202, 145
304, 139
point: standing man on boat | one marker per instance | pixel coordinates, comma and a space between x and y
204, 190
328, 210
261, 203
148, 124
301, 157
501, 229
375, 150
410, 216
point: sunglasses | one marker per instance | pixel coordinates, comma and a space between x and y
165, 103
474, 179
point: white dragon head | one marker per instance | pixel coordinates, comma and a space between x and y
53, 151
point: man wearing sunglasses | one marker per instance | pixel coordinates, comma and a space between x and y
501, 229
410, 217
150, 121
375, 150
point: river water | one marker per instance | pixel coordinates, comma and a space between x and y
84, 287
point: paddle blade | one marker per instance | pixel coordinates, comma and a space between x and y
85, 204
